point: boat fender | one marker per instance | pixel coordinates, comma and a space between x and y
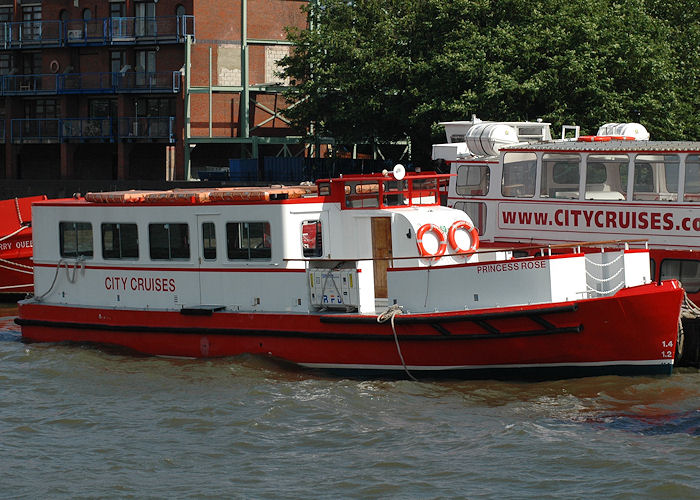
473, 237
442, 242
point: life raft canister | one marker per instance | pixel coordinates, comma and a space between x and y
442, 242
473, 237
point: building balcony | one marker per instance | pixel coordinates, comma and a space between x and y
130, 82
96, 32
57, 130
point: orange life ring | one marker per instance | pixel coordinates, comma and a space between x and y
473, 236
622, 137
442, 243
594, 138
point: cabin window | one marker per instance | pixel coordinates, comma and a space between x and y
560, 176
362, 194
208, 240
395, 193
692, 179
606, 177
476, 210
120, 241
656, 177
686, 271
519, 175
75, 239
169, 241
324, 188
248, 240
473, 180
312, 238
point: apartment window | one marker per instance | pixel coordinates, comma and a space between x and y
31, 22
5, 64
208, 240
102, 108
248, 240
145, 19
87, 14
169, 241
145, 64
116, 9
75, 239
120, 241
31, 63
154, 107
6, 14
41, 108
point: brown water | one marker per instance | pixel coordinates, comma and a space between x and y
81, 422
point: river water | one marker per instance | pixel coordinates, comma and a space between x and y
80, 422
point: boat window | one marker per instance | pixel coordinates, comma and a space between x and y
311, 238
476, 210
208, 240
519, 175
560, 176
75, 239
362, 194
120, 241
169, 241
248, 240
473, 180
656, 177
692, 179
324, 188
395, 193
686, 271
606, 177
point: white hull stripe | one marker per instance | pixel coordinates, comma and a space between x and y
349, 366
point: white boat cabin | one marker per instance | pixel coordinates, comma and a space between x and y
520, 186
352, 244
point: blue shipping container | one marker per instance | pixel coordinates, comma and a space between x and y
243, 169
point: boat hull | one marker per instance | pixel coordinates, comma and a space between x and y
633, 332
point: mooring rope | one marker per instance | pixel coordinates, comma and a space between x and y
389, 315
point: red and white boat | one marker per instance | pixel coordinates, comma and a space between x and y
523, 188
360, 274
16, 245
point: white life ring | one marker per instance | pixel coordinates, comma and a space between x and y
54, 66
442, 242
473, 237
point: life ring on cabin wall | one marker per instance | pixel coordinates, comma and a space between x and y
473, 237
442, 242
54, 66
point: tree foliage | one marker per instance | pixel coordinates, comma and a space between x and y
386, 69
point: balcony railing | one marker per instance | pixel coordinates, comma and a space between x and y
104, 31
54, 130
91, 83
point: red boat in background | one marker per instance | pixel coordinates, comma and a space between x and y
16, 272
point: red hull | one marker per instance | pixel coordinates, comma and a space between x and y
16, 274
633, 332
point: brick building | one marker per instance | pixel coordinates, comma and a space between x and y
102, 89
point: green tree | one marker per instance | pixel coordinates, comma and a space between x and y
384, 70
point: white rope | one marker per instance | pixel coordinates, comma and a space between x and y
604, 280
16, 266
389, 315
8, 287
79, 263
589, 261
607, 292
19, 214
12, 234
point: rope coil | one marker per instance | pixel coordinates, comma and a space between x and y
388, 315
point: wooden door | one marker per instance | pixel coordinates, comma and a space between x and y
381, 249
